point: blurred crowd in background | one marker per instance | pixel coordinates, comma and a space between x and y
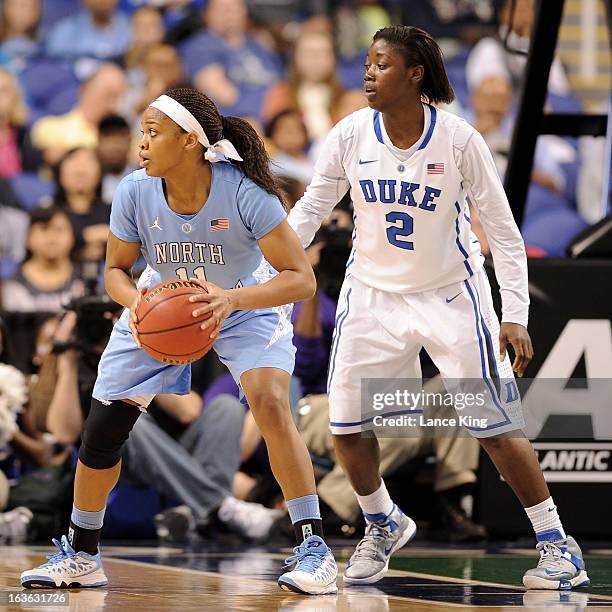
75, 77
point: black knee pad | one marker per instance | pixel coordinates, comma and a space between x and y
106, 429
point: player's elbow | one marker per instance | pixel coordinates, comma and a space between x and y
308, 284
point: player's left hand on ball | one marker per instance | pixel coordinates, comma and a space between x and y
517, 336
219, 302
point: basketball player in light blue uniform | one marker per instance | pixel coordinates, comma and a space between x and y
415, 280
191, 246
211, 213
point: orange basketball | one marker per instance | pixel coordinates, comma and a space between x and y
167, 329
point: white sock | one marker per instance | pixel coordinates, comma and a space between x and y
377, 503
545, 520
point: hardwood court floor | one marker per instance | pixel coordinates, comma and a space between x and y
217, 577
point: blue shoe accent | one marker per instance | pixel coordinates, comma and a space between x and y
552, 535
577, 561
381, 517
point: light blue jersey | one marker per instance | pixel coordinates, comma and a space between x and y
217, 244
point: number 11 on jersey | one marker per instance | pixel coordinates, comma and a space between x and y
198, 273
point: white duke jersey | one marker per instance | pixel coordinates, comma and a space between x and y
218, 243
412, 224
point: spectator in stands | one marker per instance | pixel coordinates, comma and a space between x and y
312, 86
551, 220
226, 63
288, 138
98, 30
79, 192
114, 146
458, 21
13, 231
19, 31
100, 96
349, 101
17, 153
162, 70
490, 57
493, 118
48, 278
354, 25
148, 30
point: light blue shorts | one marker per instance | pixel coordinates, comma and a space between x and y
250, 339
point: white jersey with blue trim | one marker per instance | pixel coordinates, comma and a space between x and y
218, 243
412, 224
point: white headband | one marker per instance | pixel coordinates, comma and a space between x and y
182, 117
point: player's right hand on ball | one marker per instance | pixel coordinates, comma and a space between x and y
134, 317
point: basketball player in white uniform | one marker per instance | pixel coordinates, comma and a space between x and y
415, 279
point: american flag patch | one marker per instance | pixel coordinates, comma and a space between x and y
435, 168
219, 225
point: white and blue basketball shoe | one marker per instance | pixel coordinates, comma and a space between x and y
561, 566
315, 570
384, 535
66, 569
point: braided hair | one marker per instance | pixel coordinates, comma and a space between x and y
256, 164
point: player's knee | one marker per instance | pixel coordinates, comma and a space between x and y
271, 410
106, 429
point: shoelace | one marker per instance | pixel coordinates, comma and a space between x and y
549, 553
306, 558
61, 555
368, 546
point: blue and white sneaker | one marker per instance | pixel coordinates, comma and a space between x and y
561, 566
315, 569
66, 569
384, 535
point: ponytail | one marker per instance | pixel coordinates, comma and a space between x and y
256, 163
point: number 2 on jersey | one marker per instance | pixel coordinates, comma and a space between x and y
395, 232
198, 273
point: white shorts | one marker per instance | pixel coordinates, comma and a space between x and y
380, 334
